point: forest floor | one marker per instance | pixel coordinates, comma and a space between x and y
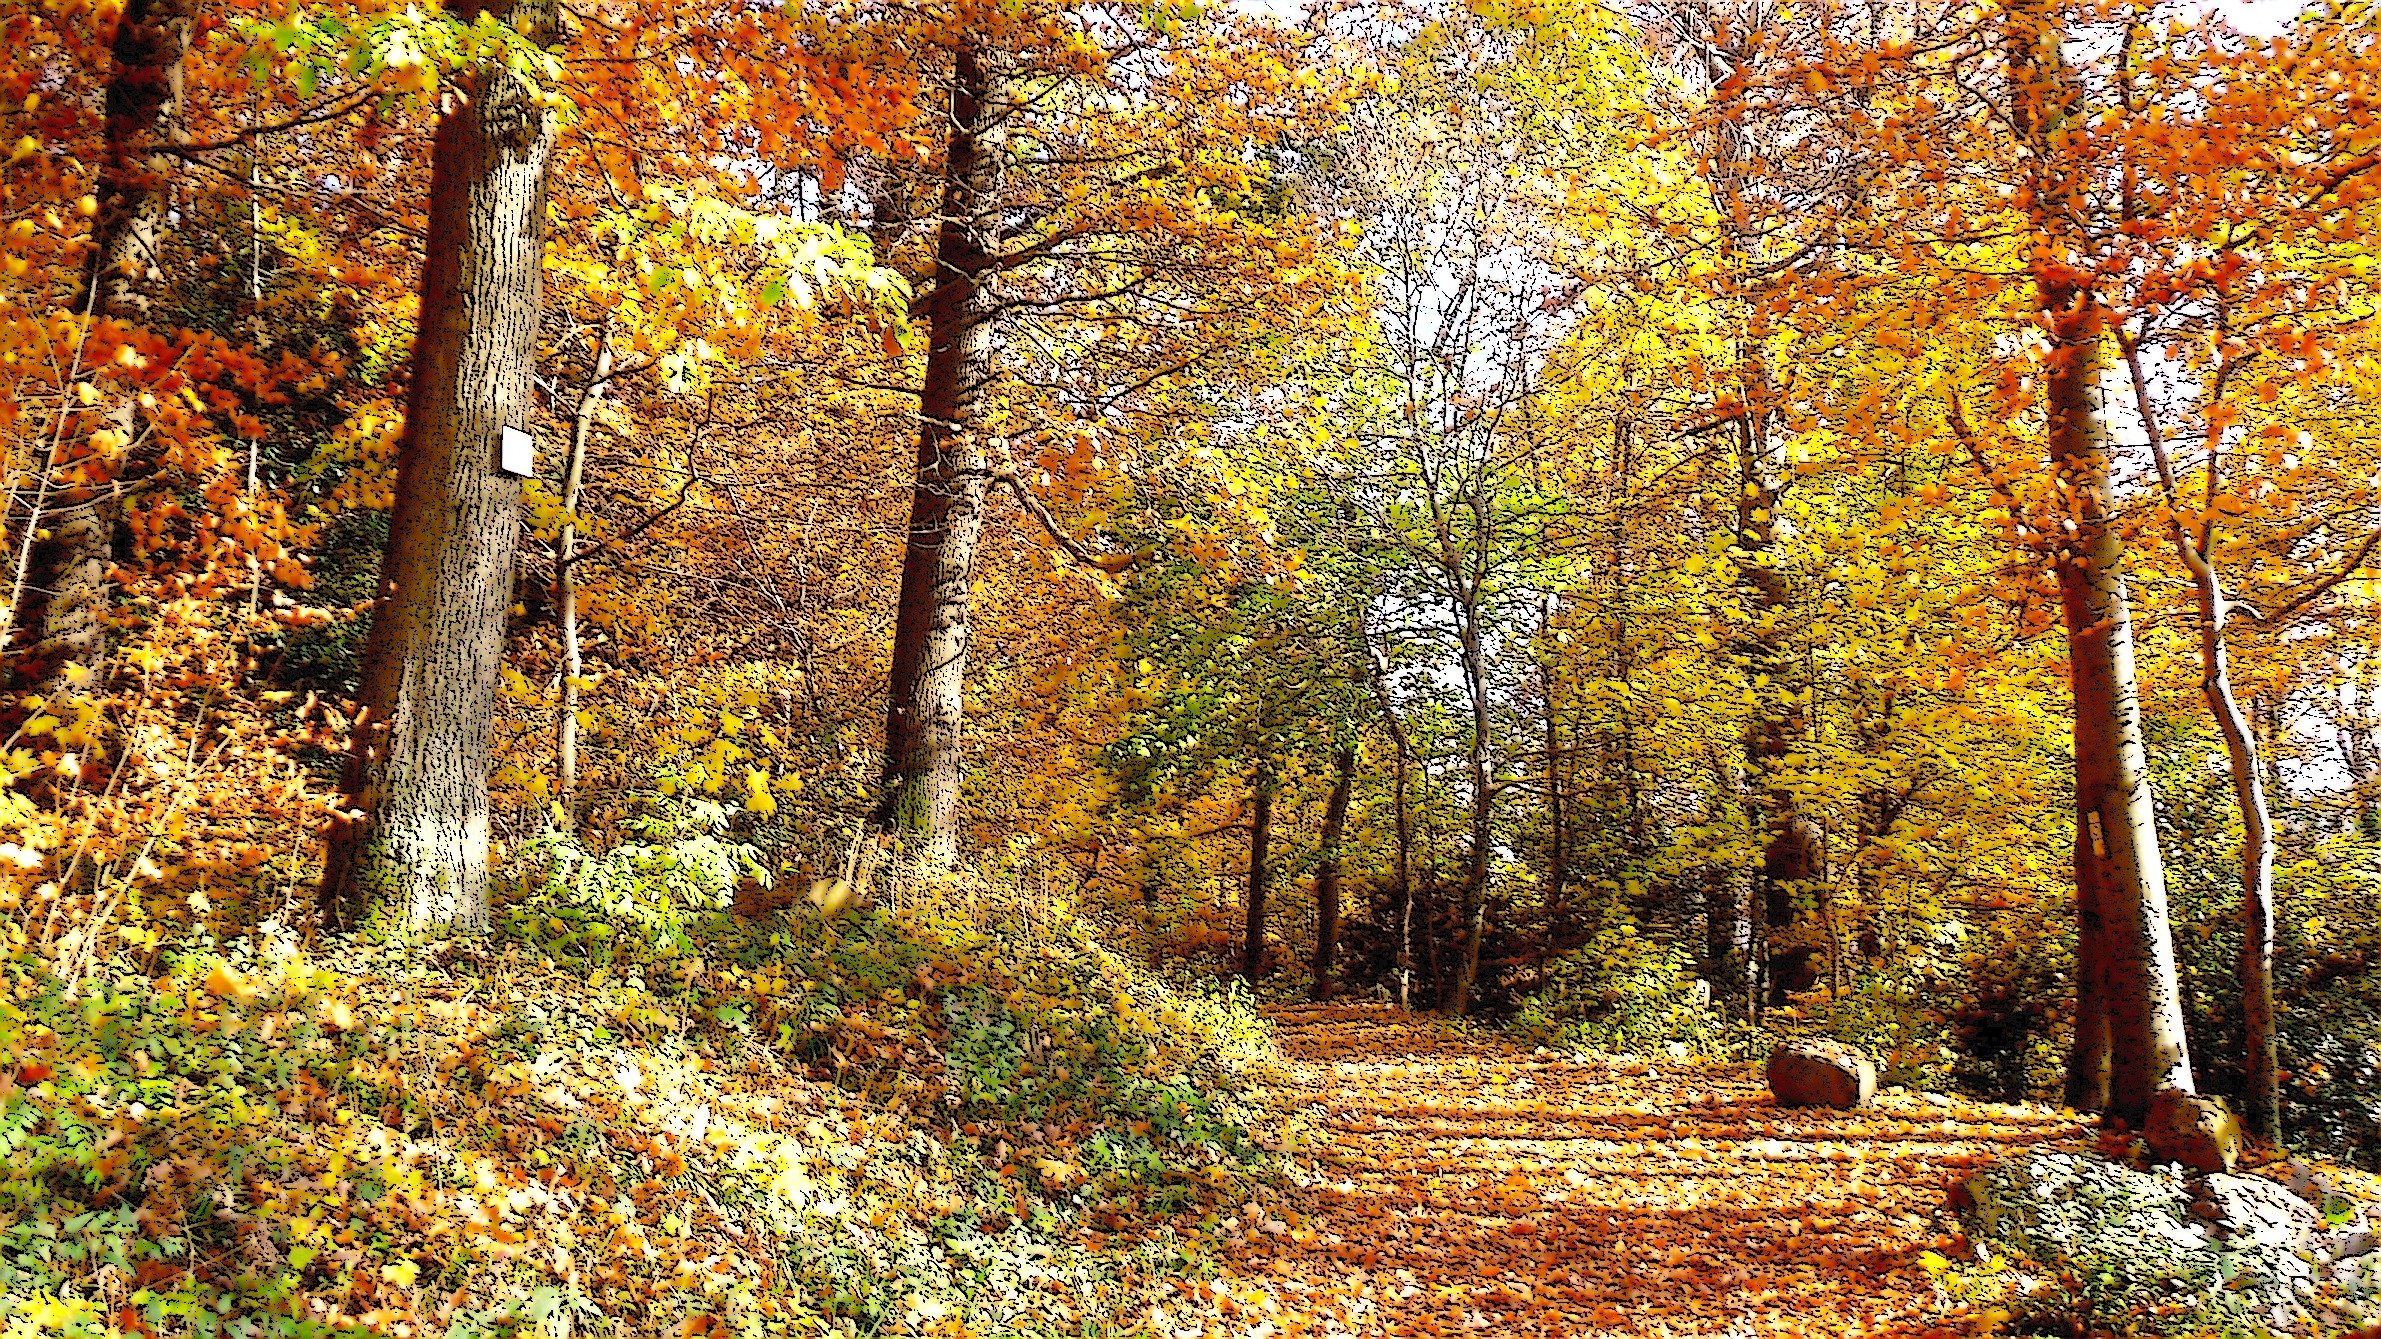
1459, 1184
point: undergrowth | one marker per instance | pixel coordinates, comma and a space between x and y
957, 1113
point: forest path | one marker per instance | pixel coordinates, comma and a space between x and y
1461, 1185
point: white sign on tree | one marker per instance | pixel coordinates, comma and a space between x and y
516, 454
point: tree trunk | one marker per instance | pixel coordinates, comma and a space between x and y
2356, 747
1404, 909
2261, 1065
1475, 878
1790, 852
2125, 972
69, 578
1558, 872
2123, 933
1335, 817
410, 837
1260, 872
68, 573
926, 704
1425, 913
143, 113
1790, 847
566, 586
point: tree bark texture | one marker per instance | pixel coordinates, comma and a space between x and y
69, 580
410, 840
1790, 859
926, 703
2129, 1022
1558, 871
2124, 946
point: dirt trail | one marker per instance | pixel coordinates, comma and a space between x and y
1464, 1186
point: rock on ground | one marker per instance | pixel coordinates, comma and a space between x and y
2201, 1133
2246, 1246
1815, 1073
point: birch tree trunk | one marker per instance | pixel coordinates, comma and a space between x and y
926, 702
566, 586
410, 838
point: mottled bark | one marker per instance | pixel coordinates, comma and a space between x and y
925, 708
143, 115
1790, 869
69, 584
1335, 819
2129, 1004
1728, 939
410, 839
2125, 948
1260, 868
2356, 724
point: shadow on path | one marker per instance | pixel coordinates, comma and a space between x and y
1457, 1185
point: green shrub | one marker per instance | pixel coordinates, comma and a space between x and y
1627, 992
679, 863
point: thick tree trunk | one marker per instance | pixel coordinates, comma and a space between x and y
2123, 932
68, 576
1260, 869
69, 579
1790, 868
566, 586
1727, 937
926, 703
1790, 847
143, 114
1335, 818
2129, 1018
410, 839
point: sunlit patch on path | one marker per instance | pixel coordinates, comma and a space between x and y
1461, 1185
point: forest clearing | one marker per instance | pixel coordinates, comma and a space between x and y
1210, 670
